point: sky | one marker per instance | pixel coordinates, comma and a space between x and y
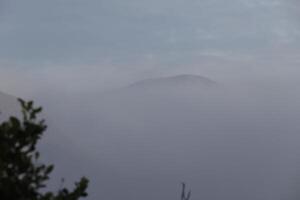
92, 45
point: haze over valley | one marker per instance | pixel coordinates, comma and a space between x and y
155, 133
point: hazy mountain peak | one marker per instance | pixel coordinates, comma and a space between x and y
183, 80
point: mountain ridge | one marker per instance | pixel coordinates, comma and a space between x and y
181, 79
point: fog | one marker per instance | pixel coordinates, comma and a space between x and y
237, 138
234, 136
142, 140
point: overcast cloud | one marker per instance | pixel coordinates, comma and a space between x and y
135, 39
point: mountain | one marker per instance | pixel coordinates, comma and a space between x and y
184, 81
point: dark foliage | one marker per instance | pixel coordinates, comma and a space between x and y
22, 176
185, 196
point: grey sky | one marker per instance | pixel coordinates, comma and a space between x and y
138, 39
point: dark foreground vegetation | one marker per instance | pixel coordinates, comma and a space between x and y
22, 175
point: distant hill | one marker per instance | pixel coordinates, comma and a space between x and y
184, 81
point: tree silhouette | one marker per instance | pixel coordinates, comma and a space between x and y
185, 196
22, 176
